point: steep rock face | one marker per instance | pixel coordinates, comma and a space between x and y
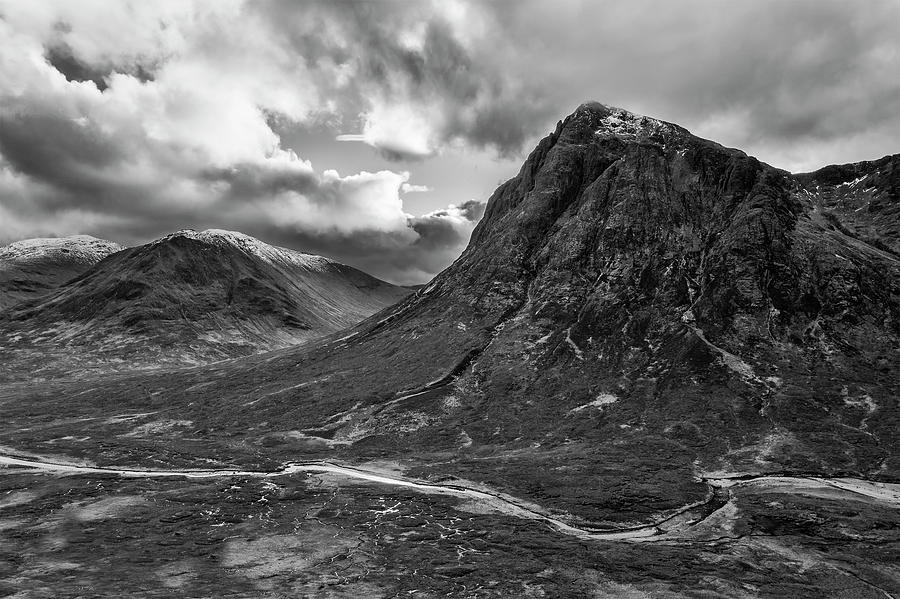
861, 199
198, 296
653, 289
638, 307
33, 267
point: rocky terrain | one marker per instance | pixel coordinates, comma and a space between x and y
185, 299
647, 332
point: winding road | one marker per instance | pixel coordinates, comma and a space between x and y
685, 517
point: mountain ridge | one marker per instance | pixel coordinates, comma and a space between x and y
192, 297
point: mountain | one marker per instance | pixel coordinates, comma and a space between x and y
193, 297
32, 267
649, 336
636, 296
634, 287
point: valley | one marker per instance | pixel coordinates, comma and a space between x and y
661, 368
326, 530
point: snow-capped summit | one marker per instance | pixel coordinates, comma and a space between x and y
253, 247
75, 248
593, 120
32, 267
627, 125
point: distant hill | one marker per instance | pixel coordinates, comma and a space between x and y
32, 267
188, 298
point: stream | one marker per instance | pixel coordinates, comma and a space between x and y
687, 516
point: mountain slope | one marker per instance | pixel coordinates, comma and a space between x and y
196, 297
33, 267
862, 199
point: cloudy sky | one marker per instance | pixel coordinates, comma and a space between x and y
373, 131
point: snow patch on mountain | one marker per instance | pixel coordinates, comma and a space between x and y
602, 400
254, 247
627, 125
75, 248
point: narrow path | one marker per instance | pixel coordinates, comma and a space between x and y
685, 517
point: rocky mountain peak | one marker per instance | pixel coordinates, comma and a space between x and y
694, 283
607, 184
603, 121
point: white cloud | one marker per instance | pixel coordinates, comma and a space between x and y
398, 131
407, 188
160, 117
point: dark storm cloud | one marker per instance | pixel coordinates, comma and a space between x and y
441, 228
62, 59
416, 57
252, 180
764, 75
790, 81
57, 150
769, 76
438, 239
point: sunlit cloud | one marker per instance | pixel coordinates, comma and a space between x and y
128, 120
